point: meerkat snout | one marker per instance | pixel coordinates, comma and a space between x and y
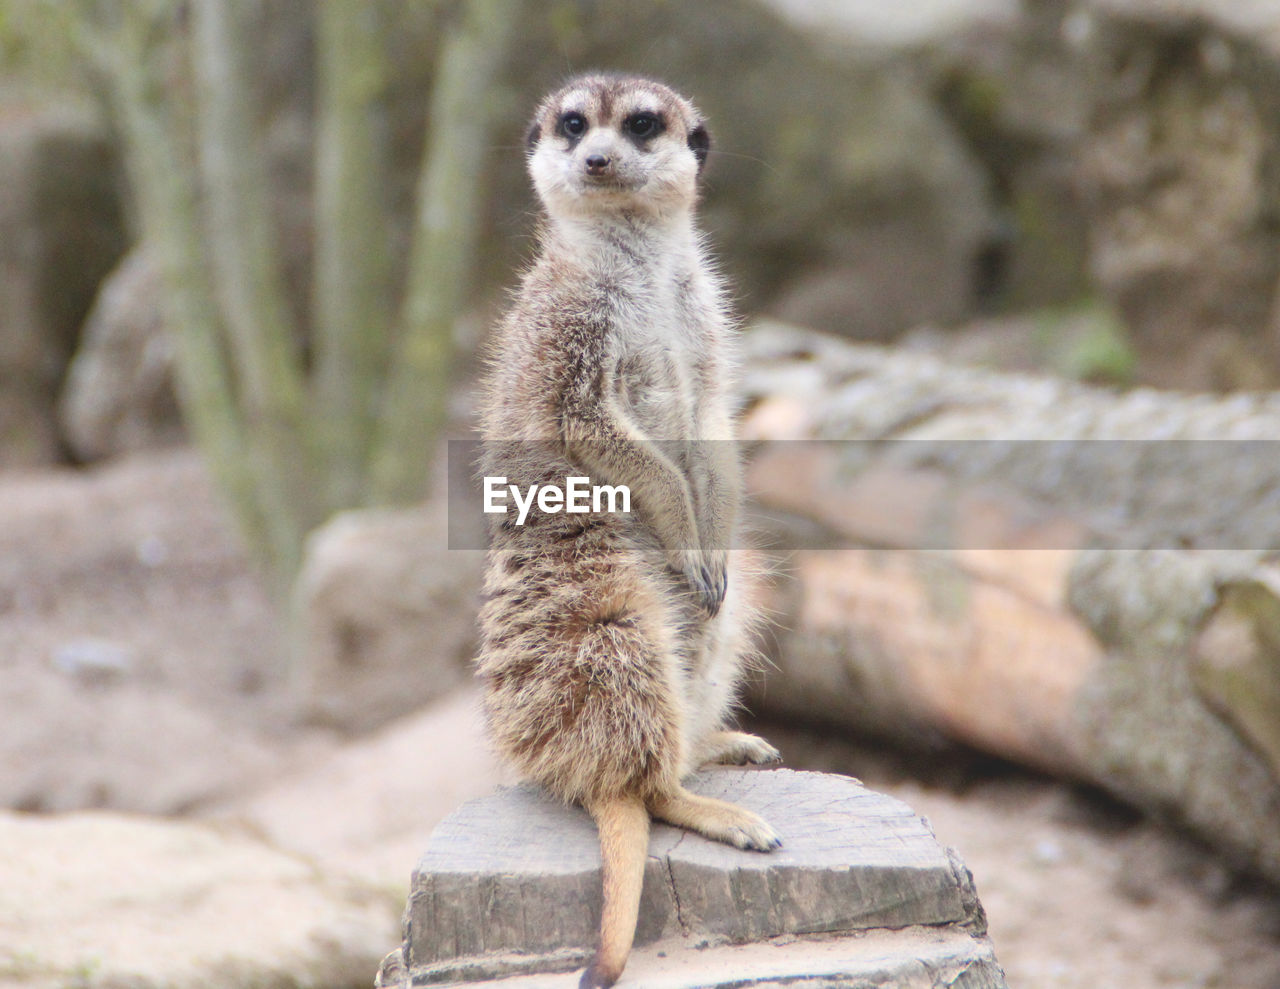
598, 164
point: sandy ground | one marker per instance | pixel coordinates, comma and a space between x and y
140, 668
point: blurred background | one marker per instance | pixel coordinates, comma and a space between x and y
249, 252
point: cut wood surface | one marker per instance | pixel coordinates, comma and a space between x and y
510, 885
1073, 578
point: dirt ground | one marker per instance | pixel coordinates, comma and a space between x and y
141, 668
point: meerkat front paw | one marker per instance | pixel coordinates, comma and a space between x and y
753, 833
706, 574
738, 748
741, 828
756, 751
715, 581
717, 820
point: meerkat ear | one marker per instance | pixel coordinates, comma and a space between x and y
531, 138
700, 144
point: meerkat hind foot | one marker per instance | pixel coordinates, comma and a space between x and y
738, 748
718, 820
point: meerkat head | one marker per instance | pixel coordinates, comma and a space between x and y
611, 144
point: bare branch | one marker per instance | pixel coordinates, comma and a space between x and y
248, 282
352, 284
443, 252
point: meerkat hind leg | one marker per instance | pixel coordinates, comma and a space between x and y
736, 748
716, 819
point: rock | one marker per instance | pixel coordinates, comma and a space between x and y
1018, 91
119, 393
61, 230
131, 575
381, 792
867, 22
1131, 145
510, 885
94, 660
117, 743
1255, 19
386, 614
102, 900
1178, 164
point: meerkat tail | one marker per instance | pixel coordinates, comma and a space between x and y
624, 846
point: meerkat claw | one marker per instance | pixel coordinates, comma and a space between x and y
711, 587
761, 753
710, 582
760, 838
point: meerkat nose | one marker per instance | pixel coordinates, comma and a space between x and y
598, 164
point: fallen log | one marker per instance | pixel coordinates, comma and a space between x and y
1064, 576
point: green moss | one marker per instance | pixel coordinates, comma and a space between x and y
978, 98
1237, 669
1029, 216
37, 49
21, 964
83, 974
1088, 342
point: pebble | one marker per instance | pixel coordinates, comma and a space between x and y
94, 660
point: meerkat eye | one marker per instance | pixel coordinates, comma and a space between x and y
642, 125
573, 124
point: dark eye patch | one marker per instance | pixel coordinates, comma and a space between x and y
643, 126
700, 144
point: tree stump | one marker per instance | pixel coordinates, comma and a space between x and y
861, 893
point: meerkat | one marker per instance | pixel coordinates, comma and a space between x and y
612, 644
